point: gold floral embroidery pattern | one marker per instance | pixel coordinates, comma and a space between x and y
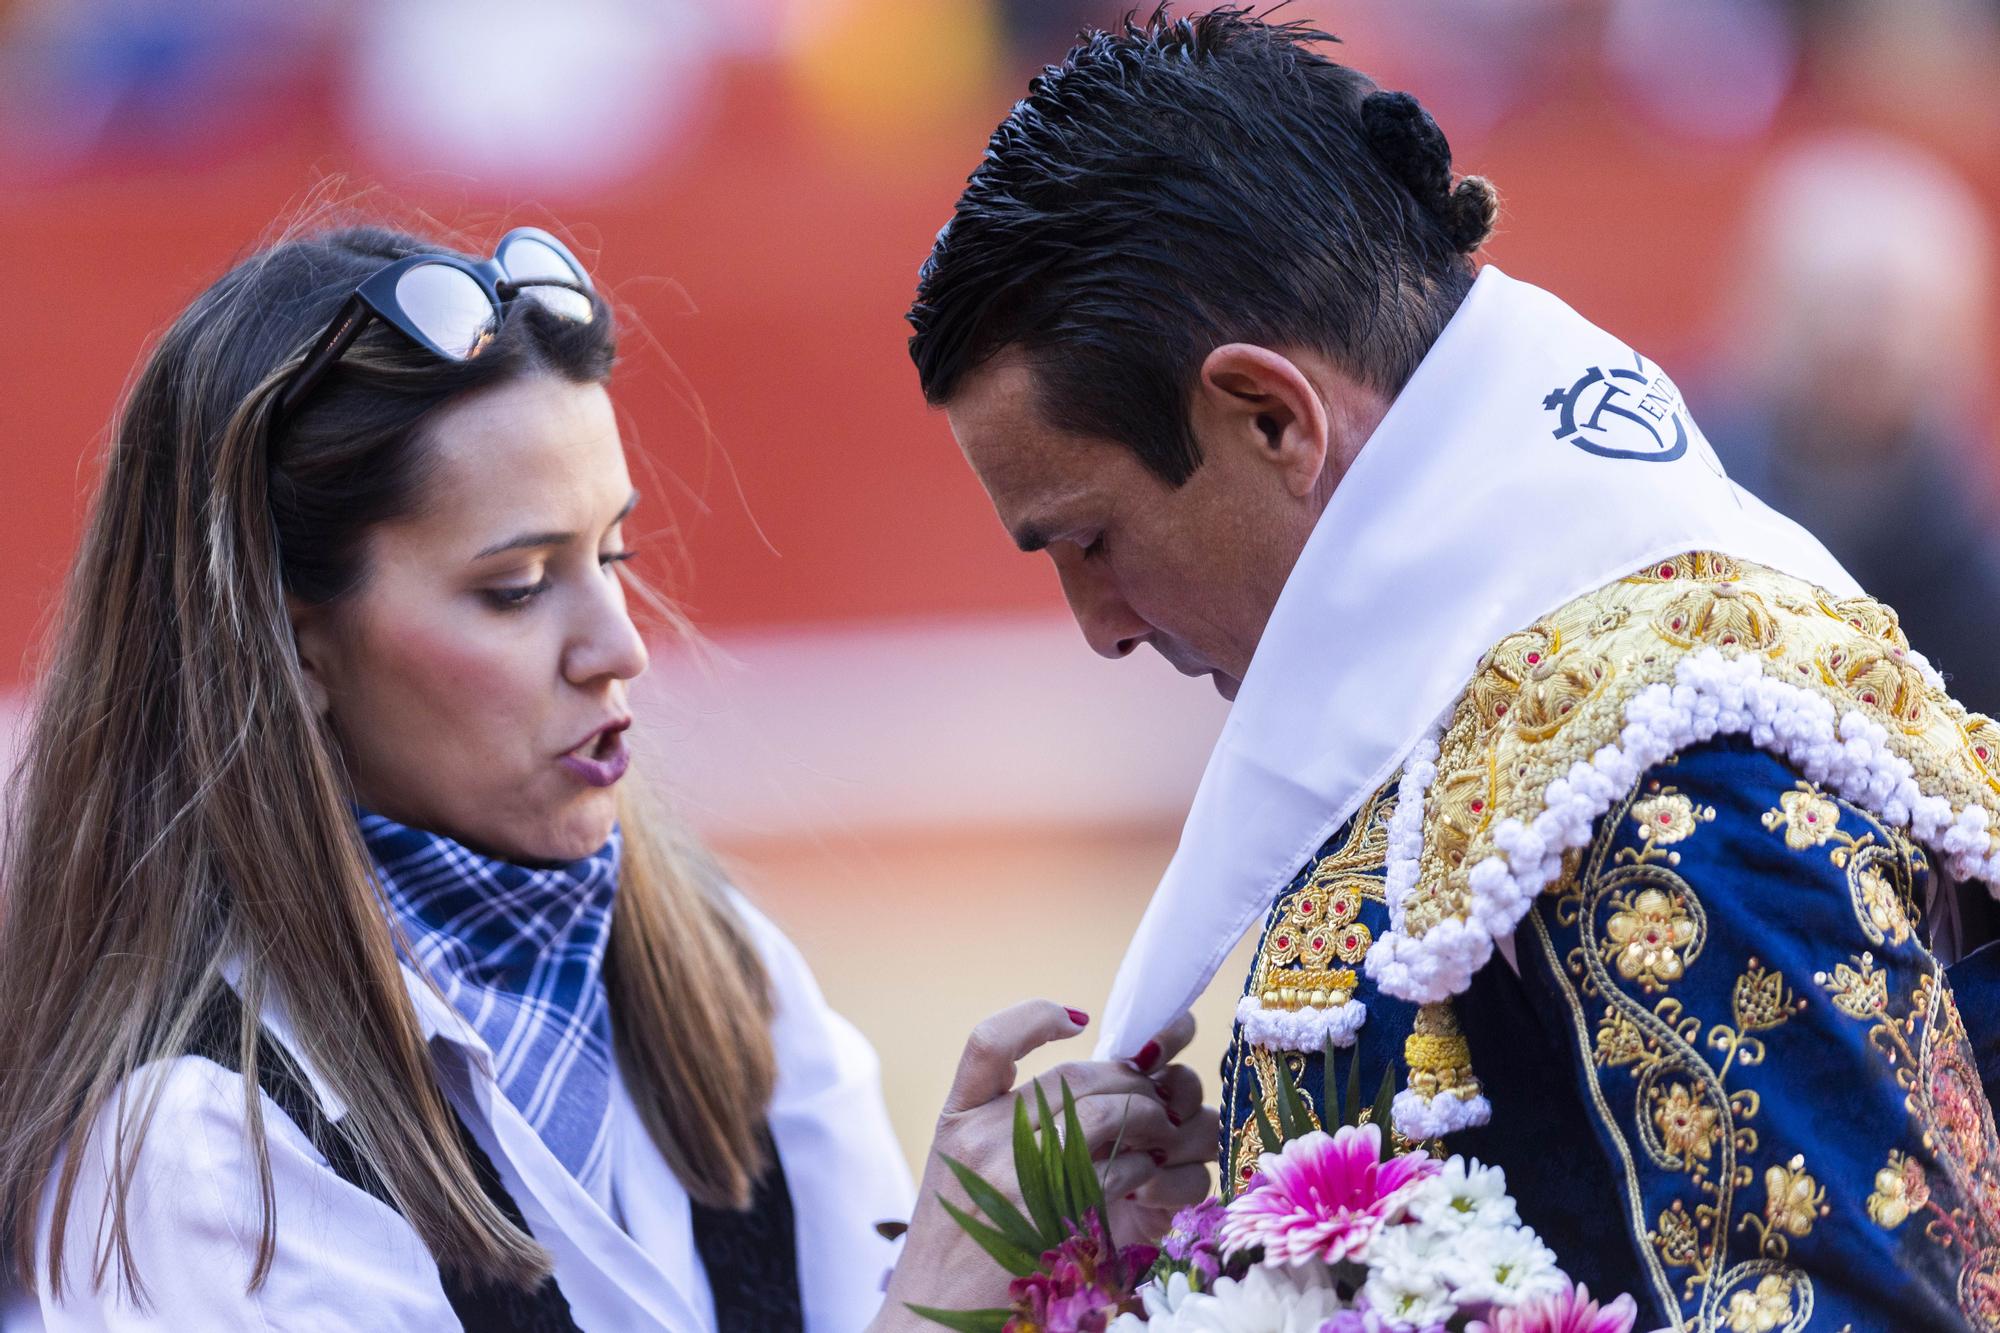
1648, 934
1640, 925
1900, 1189
1926, 1046
1880, 871
1308, 957
1317, 939
1551, 695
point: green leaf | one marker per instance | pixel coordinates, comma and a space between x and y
1294, 1121
1350, 1111
965, 1321
1384, 1098
1085, 1187
999, 1209
1267, 1136
1017, 1261
1052, 1160
1034, 1178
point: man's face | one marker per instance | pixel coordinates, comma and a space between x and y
1192, 570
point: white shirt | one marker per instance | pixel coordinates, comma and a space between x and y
345, 1261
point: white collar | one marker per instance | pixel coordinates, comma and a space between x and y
1531, 458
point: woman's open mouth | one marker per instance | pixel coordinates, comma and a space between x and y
601, 760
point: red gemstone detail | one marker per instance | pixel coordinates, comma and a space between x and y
1534, 659
1868, 696
1352, 942
1812, 819
1478, 806
1666, 819
1677, 622
1666, 571
1981, 752
1284, 941
1319, 943
1499, 709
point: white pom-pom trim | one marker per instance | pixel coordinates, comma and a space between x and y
1712, 695
1419, 1117
1307, 1029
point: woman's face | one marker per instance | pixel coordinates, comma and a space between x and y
476, 679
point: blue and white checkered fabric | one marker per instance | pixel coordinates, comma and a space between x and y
520, 953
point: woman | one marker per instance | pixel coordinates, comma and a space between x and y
348, 983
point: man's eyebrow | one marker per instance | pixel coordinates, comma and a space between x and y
529, 541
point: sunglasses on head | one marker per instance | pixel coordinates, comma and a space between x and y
450, 305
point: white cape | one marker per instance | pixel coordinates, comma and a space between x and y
1531, 458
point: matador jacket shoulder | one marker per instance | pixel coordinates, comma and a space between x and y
1717, 815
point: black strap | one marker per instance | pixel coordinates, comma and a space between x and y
751, 1257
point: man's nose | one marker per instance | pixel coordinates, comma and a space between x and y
1110, 626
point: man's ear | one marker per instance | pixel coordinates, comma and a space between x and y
1261, 400
313, 637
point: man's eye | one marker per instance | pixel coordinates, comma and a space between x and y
513, 599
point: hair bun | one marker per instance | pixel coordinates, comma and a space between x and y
1408, 141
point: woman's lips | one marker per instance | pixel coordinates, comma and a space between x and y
602, 760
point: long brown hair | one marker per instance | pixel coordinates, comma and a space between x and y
180, 807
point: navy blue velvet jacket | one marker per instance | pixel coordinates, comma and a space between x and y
1730, 1077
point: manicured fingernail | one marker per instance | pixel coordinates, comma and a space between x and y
1148, 1056
1172, 1119
1078, 1017
1159, 1158
1130, 1197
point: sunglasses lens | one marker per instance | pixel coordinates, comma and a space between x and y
528, 261
448, 305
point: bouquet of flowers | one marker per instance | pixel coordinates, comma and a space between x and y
1331, 1235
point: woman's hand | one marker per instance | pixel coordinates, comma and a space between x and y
1152, 1114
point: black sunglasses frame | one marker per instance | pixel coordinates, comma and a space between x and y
376, 298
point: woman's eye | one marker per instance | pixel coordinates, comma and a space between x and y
513, 599
615, 558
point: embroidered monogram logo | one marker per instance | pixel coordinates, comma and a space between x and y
1622, 412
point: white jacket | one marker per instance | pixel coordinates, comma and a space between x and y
345, 1261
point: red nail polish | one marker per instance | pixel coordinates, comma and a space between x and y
1159, 1158
1173, 1119
1148, 1056
1078, 1017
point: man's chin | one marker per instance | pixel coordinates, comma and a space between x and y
1226, 686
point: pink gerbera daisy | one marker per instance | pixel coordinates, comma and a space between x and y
1322, 1197
1568, 1311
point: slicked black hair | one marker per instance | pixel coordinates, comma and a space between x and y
1186, 182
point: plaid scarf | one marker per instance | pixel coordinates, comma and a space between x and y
519, 952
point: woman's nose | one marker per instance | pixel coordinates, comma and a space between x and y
607, 644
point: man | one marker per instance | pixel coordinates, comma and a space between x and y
1581, 791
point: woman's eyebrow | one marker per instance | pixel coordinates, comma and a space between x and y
529, 541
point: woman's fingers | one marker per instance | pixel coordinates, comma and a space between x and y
1089, 1078
1165, 1188
988, 1067
1143, 1124
1165, 1045
1180, 1088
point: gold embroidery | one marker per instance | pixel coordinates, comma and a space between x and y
1767, 1307
1319, 924
1553, 694
1926, 1046
1647, 935
1807, 817
1900, 1190
1640, 927
1668, 818
1793, 1201
1308, 958
1437, 1054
